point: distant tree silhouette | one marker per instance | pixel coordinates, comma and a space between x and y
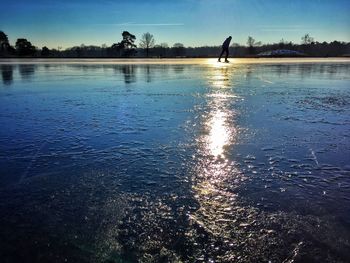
282, 44
307, 39
3, 37
127, 45
114, 50
24, 47
179, 49
4, 43
252, 44
45, 52
164, 47
79, 51
128, 40
161, 49
147, 41
306, 42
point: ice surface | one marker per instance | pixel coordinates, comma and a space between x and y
175, 161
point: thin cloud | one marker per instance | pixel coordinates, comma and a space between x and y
149, 24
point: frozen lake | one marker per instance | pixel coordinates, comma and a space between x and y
175, 160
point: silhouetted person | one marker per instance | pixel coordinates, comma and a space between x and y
225, 47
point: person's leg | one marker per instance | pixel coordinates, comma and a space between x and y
222, 52
227, 53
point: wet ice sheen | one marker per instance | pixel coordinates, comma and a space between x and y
175, 162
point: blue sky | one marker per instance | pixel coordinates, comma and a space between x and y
192, 22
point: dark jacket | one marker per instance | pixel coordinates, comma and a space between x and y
226, 43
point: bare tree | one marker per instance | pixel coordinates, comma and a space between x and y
252, 44
307, 39
147, 41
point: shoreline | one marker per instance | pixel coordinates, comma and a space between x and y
155, 61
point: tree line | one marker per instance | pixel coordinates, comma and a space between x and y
148, 48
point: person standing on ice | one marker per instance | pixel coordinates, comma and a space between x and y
225, 47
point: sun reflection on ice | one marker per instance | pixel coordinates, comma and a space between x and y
216, 174
214, 62
219, 134
219, 120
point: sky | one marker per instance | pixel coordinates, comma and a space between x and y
67, 23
